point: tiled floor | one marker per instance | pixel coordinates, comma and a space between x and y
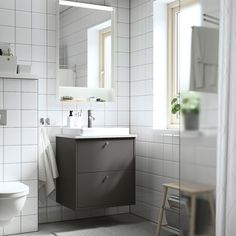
130, 222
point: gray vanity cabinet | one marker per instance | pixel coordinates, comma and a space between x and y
95, 172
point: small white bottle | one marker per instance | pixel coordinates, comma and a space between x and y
70, 120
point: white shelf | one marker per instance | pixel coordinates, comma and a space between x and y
18, 76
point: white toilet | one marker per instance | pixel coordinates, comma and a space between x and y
12, 200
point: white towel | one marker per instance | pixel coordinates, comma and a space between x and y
204, 59
47, 163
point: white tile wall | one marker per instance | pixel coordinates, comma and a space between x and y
18, 154
30, 26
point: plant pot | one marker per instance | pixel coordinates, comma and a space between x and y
191, 121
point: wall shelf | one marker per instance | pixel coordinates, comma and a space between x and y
18, 76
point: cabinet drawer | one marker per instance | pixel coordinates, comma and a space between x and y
105, 155
105, 189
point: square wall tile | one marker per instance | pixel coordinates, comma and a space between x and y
54, 214
29, 153
12, 154
29, 118
29, 223
39, 21
11, 100
39, 69
23, 36
29, 171
39, 6
31, 207
23, 52
13, 118
39, 37
23, 5
7, 17
29, 101
52, 4
39, 53
11, 136
29, 86
23, 19
29, 136
9, 4
123, 15
12, 172
7, 34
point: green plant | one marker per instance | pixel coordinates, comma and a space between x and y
187, 102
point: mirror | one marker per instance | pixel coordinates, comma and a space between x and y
86, 45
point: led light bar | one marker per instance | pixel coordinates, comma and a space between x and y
85, 5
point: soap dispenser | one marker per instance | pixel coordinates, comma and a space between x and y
70, 120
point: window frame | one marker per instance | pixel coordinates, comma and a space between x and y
172, 70
106, 32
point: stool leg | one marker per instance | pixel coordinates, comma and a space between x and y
193, 215
162, 211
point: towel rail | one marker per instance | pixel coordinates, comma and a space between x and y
210, 17
211, 21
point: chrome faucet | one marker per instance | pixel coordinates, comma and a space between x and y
90, 119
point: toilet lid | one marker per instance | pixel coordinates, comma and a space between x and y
11, 188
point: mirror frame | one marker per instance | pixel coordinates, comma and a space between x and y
85, 93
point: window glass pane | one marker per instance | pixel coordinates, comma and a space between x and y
107, 61
190, 15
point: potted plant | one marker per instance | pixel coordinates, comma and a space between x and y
188, 104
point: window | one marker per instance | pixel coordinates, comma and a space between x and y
173, 60
179, 48
171, 56
99, 59
105, 58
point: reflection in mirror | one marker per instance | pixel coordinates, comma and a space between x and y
85, 41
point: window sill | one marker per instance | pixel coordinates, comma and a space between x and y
173, 130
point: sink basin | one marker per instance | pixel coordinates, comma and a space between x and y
96, 131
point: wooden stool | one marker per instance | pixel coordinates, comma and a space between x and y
193, 191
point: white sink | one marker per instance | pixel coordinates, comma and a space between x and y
96, 131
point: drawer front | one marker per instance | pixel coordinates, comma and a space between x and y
105, 189
105, 155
